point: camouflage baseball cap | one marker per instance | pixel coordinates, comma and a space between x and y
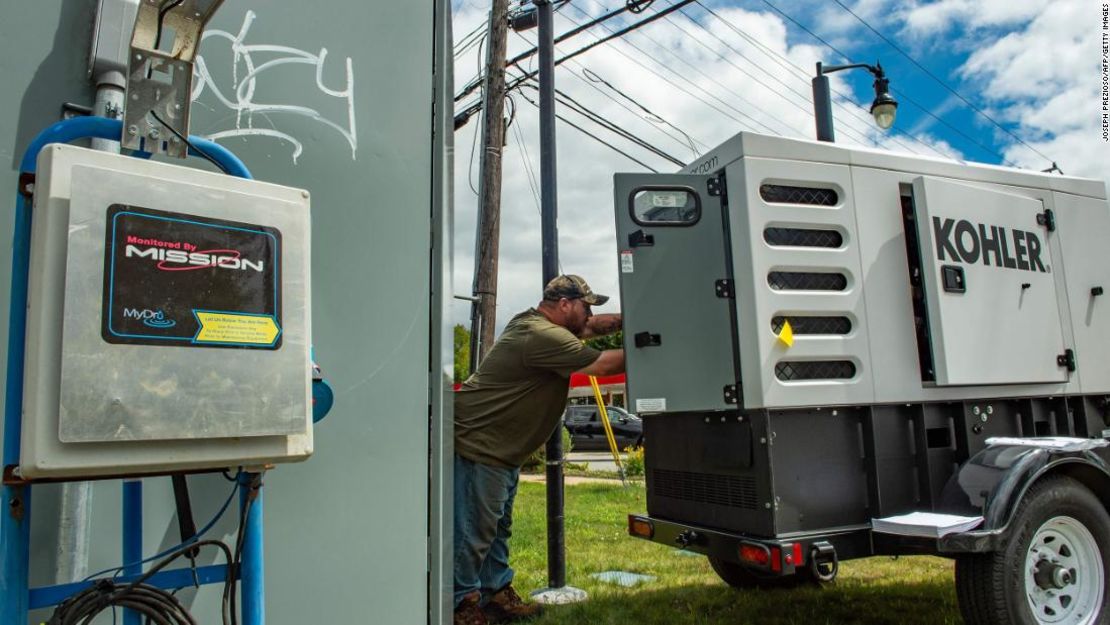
572, 287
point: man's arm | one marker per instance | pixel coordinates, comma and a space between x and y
600, 325
611, 362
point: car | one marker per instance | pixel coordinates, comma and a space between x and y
586, 431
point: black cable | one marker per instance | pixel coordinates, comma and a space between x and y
750, 124
900, 94
156, 604
596, 138
191, 145
611, 126
162, 11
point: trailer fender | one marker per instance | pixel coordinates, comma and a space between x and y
994, 481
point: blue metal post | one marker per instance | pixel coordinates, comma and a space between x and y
252, 577
132, 538
15, 522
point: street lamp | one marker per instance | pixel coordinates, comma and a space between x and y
883, 107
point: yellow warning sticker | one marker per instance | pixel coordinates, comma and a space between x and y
786, 335
236, 329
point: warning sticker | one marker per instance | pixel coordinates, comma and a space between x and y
216, 327
175, 279
626, 261
654, 404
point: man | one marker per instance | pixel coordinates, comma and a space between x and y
503, 413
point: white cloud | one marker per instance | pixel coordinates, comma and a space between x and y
1033, 63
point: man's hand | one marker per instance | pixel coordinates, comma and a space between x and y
600, 325
611, 362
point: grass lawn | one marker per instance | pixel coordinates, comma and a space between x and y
907, 591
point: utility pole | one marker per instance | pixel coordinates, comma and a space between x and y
483, 311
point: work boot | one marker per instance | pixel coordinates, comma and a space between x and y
506, 606
468, 612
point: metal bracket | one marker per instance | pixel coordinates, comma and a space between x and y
1067, 359
730, 394
714, 186
160, 77
647, 339
640, 239
27, 185
1047, 219
724, 288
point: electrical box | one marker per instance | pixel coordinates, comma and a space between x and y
168, 319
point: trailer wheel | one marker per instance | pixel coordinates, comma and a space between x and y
740, 576
1052, 571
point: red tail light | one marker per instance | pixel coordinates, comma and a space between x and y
640, 527
754, 554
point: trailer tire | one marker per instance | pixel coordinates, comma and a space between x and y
741, 577
1062, 524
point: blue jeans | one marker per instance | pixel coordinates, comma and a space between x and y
483, 524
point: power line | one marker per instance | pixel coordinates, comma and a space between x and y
941, 82
855, 112
624, 105
595, 77
748, 125
610, 125
597, 138
902, 95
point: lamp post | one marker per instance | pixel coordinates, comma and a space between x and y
883, 107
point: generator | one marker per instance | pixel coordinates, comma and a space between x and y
822, 339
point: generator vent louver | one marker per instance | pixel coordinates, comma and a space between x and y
797, 370
806, 281
721, 490
803, 237
785, 194
803, 324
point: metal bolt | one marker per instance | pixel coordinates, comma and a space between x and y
29, 188
175, 140
990, 409
740, 419
138, 57
154, 134
722, 419
983, 417
975, 410
762, 440
834, 413
132, 130
707, 419
767, 505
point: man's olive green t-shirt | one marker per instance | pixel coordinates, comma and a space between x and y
512, 404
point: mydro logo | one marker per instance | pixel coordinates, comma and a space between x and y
963, 241
152, 318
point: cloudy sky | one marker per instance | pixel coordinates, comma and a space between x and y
1013, 82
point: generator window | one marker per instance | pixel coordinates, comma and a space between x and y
660, 207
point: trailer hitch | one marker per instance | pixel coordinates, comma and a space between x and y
823, 563
686, 538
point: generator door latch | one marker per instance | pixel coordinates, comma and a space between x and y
639, 239
647, 339
724, 289
713, 186
1067, 359
730, 394
1047, 219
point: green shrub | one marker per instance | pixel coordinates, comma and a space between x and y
633, 461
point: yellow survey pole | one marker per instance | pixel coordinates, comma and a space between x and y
608, 427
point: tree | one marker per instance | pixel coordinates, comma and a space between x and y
462, 353
609, 341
